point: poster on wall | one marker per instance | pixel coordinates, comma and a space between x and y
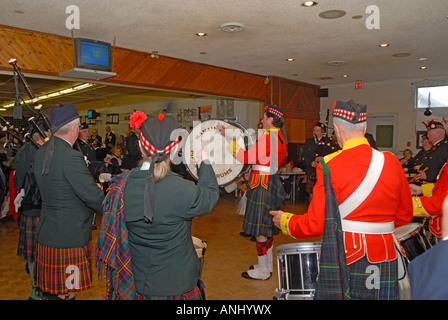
205, 112
225, 109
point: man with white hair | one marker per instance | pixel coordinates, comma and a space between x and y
437, 155
360, 197
69, 196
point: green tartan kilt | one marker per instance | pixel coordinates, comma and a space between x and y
365, 284
257, 220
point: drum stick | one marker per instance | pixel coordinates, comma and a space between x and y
272, 213
413, 179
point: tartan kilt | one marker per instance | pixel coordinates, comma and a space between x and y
27, 237
51, 270
194, 294
362, 281
257, 220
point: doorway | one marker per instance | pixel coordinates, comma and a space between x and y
383, 128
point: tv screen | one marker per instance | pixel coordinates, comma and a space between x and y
92, 54
91, 114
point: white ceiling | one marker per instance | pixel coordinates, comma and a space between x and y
275, 30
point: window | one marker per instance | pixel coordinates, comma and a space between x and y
433, 96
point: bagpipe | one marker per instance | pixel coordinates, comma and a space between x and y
38, 121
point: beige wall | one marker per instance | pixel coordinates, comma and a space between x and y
391, 97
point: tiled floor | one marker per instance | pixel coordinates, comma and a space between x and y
227, 255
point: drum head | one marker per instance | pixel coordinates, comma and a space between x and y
205, 134
406, 231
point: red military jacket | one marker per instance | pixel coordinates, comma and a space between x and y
266, 155
389, 201
430, 204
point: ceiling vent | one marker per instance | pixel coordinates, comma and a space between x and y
232, 27
336, 63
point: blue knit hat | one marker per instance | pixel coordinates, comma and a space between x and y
60, 115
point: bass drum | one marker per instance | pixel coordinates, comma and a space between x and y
207, 136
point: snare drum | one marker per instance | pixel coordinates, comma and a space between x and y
207, 136
298, 270
413, 239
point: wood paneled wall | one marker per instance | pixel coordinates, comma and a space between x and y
48, 54
299, 101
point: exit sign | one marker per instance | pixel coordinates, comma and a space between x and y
359, 84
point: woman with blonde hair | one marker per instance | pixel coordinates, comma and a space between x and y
145, 242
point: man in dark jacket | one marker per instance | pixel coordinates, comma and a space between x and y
314, 149
437, 155
69, 196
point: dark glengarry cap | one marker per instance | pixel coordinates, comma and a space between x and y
274, 109
83, 126
434, 125
157, 135
350, 111
62, 114
322, 125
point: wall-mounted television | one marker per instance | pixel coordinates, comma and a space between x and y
92, 114
92, 54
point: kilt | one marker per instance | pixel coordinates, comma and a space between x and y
63, 270
194, 294
367, 285
261, 200
27, 237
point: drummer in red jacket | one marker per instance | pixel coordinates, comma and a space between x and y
265, 190
372, 197
429, 203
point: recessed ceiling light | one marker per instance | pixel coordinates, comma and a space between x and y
332, 14
384, 45
401, 55
357, 17
290, 59
201, 34
423, 67
202, 52
423, 59
309, 4
19, 11
232, 27
345, 76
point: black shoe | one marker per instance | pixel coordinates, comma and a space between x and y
244, 234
